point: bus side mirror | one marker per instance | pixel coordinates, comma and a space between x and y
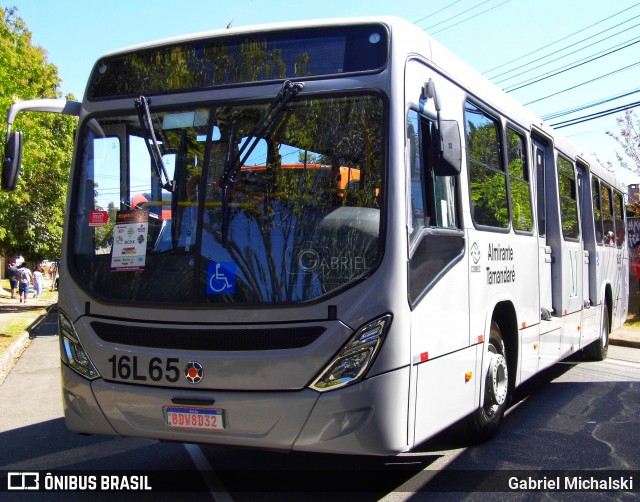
12, 161
448, 151
449, 156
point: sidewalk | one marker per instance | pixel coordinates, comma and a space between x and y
626, 336
34, 312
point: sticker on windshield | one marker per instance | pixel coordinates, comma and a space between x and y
129, 250
221, 278
98, 218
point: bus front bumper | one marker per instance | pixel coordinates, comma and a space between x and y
366, 418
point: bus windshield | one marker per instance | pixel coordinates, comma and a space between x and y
300, 218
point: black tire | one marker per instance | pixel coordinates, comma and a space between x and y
485, 421
598, 350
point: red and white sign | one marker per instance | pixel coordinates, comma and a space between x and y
98, 218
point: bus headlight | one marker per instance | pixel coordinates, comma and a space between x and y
356, 356
72, 352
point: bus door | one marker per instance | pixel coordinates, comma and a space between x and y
585, 204
571, 260
548, 250
545, 256
619, 314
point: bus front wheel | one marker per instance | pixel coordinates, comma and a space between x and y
486, 420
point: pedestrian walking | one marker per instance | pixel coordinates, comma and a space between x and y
26, 278
53, 274
38, 281
14, 278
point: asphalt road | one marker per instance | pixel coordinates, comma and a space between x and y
576, 418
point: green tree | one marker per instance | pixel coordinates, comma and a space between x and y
31, 216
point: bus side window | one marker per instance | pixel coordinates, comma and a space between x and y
519, 182
416, 218
597, 210
607, 215
567, 187
488, 180
618, 205
542, 198
440, 191
435, 240
433, 198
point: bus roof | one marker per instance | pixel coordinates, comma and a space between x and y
289, 25
413, 40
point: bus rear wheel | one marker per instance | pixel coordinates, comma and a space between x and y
598, 350
486, 420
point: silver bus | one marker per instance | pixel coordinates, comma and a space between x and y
324, 236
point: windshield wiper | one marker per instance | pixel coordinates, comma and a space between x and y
146, 124
235, 161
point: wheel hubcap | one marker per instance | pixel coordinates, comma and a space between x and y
498, 379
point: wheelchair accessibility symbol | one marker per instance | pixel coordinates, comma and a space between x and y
221, 278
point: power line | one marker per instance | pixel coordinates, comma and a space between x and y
456, 16
560, 40
472, 17
528, 83
563, 113
594, 116
437, 12
566, 55
625, 68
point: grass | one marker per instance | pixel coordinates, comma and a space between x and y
19, 325
16, 328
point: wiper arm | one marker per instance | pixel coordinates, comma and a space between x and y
144, 116
235, 161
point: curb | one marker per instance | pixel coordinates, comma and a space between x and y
12, 352
633, 344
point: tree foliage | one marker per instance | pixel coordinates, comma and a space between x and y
31, 216
629, 139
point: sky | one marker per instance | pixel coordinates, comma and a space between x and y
512, 42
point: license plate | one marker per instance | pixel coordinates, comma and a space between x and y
195, 418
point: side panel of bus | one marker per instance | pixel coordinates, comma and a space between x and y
443, 350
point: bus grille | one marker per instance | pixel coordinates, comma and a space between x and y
208, 339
